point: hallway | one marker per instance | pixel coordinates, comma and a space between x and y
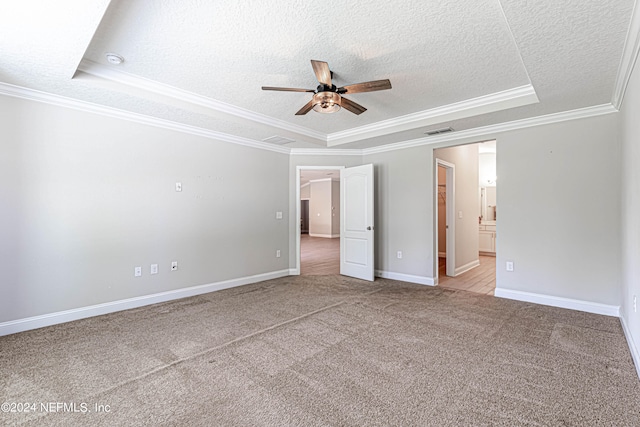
319, 255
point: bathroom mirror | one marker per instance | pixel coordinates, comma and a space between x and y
488, 204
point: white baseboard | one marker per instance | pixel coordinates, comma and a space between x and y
421, 280
326, 236
635, 352
573, 304
467, 267
294, 272
21, 325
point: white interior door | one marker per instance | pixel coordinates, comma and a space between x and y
356, 222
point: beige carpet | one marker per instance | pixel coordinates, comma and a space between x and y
325, 351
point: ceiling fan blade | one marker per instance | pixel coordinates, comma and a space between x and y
287, 89
366, 86
323, 74
352, 106
304, 110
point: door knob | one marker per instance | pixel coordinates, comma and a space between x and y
369, 228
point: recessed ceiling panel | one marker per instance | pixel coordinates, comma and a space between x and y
434, 53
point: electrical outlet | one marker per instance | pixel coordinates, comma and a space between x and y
278, 253
154, 269
278, 215
137, 272
399, 254
174, 265
509, 265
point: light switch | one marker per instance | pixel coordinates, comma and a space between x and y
460, 214
154, 269
509, 265
178, 186
278, 215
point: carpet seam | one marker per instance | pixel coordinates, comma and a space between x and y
218, 347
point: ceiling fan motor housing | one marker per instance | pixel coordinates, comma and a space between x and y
326, 88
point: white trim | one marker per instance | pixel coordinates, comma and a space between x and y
321, 180
21, 325
468, 266
633, 348
450, 212
34, 95
294, 272
510, 98
328, 236
488, 132
121, 77
420, 280
629, 57
326, 152
573, 304
306, 184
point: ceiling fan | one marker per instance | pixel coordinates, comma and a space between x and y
327, 98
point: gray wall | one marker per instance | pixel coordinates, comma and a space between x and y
559, 197
404, 211
559, 201
86, 198
631, 206
305, 191
335, 205
320, 208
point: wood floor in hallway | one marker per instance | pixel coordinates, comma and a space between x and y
319, 256
481, 280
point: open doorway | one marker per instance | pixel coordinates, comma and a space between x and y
318, 210
445, 217
474, 217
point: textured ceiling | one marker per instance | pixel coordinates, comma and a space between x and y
465, 63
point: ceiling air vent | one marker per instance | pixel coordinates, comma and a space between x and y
438, 131
279, 140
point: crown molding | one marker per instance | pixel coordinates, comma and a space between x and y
121, 77
489, 132
326, 152
498, 101
629, 57
511, 98
485, 132
47, 98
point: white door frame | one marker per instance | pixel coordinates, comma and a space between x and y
450, 202
297, 269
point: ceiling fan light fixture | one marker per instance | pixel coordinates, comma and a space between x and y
326, 102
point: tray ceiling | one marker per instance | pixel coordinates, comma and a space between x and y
464, 64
